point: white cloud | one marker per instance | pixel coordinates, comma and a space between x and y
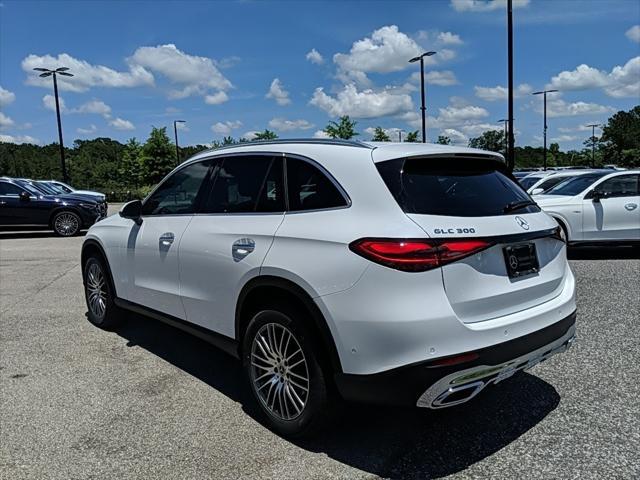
216, 98
321, 134
224, 128
622, 81
563, 138
87, 131
456, 115
284, 125
97, 107
484, 5
392, 133
448, 38
85, 74
492, 94
19, 139
278, 92
456, 136
197, 75
315, 57
6, 121
120, 124
559, 108
6, 97
49, 102
476, 129
633, 34
386, 50
362, 104
444, 78
250, 135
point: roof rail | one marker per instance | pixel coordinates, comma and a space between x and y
313, 141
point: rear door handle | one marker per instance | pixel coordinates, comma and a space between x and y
167, 238
631, 206
241, 248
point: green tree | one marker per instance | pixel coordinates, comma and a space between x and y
443, 140
158, 156
266, 135
412, 137
379, 135
130, 171
492, 140
229, 140
344, 128
621, 138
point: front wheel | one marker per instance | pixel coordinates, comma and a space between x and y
66, 224
102, 311
284, 374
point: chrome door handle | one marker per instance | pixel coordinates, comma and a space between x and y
167, 238
241, 248
631, 206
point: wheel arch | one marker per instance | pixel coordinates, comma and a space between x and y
563, 224
265, 289
91, 247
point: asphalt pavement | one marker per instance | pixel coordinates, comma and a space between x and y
149, 401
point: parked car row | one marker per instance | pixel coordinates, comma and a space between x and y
590, 205
49, 203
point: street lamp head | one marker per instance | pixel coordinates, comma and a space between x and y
42, 69
180, 121
62, 69
503, 120
426, 54
544, 91
46, 74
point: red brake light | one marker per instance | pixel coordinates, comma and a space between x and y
416, 255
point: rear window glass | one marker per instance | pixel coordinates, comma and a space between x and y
454, 187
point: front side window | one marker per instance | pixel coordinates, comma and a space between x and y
310, 189
9, 189
245, 184
178, 193
620, 186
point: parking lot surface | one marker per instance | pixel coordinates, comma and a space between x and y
149, 401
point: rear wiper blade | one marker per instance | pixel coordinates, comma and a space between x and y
510, 207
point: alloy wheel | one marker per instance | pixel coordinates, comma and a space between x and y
66, 224
96, 291
279, 371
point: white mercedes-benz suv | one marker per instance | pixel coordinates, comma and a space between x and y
409, 274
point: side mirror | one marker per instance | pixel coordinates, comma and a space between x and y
25, 196
537, 191
132, 210
595, 196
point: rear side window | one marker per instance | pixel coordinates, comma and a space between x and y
245, 184
310, 189
453, 187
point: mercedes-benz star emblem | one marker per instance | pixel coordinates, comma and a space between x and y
522, 222
513, 262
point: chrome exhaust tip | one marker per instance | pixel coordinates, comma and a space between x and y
456, 395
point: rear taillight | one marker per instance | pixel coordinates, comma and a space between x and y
416, 255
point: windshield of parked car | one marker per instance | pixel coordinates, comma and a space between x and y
527, 182
551, 182
64, 187
48, 189
55, 187
575, 185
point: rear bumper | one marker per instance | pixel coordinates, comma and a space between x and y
426, 384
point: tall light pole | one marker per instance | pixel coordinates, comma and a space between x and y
506, 140
47, 73
511, 142
423, 108
593, 142
544, 131
175, 132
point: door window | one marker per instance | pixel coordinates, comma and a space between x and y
9, 189
310, 189
620, 186
178, 193
244, 184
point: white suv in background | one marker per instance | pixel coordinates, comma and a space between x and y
598, 206
403, 273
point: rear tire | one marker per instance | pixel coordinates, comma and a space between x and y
99, 295
284, 374
66, 224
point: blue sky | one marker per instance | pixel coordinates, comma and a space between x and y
233, 68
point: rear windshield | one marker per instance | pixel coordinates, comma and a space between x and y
575, 185
454, 187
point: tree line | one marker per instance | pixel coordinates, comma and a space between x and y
129, 170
